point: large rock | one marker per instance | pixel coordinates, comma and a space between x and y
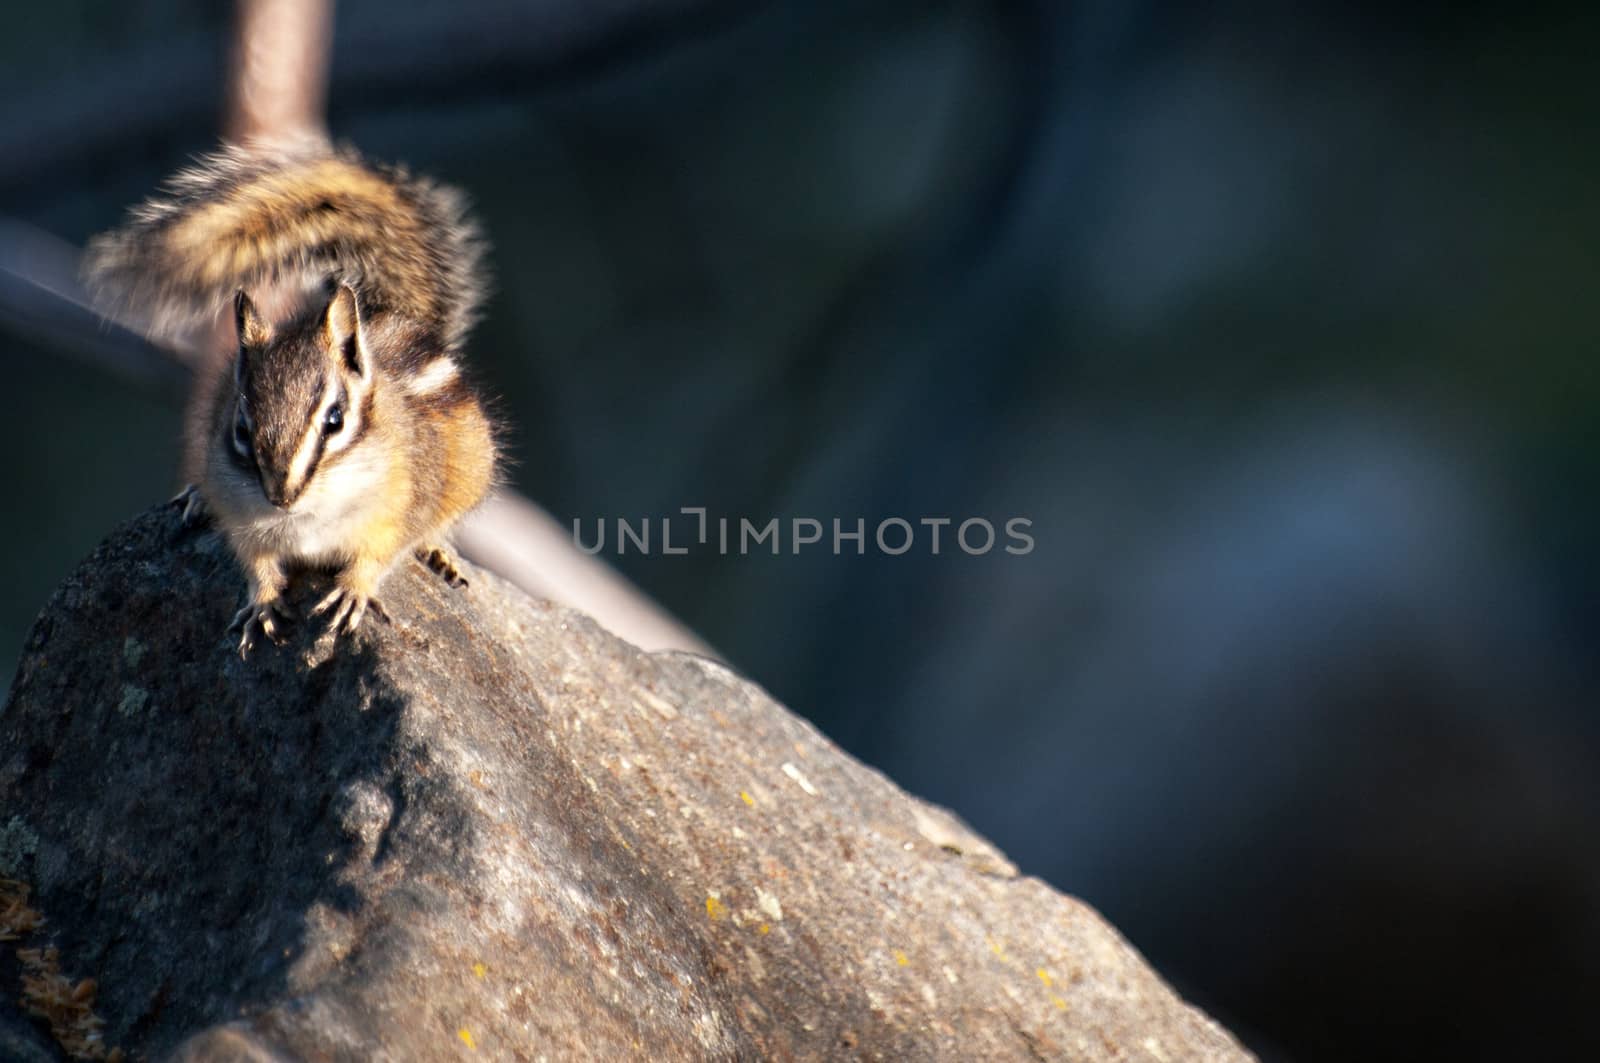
493, 830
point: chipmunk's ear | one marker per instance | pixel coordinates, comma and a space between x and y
341, 327
254, 332
253, 328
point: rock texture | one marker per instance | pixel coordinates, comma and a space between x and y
492, 830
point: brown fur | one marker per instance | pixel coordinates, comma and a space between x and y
248, 216
370, 278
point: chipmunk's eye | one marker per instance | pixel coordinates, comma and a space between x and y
333, 421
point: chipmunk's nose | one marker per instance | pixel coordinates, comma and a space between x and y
276, 489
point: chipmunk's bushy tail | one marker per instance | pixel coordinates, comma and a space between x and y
254, 214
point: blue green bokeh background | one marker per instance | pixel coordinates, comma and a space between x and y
1278, 321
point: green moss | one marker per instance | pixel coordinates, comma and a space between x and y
134, 700
17, 843
132, 651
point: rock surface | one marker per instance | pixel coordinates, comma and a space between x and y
492, 830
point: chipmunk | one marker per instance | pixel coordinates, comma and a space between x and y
344, 437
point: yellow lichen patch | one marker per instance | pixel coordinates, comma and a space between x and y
998, 947
901, 959
17, 920
747, 799
715, 909
1044, 976
67, 1006
479, 969
466, 1038
763, 929
1061, 1005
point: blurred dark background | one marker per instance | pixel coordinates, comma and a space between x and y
1277, 320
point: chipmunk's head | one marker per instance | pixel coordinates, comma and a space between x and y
304, 396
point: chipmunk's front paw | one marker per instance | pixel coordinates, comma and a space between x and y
349, 608
263, 618
440, 560
193, 506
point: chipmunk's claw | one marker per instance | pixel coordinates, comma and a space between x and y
440, 560
349, 608
254, 619
194, 506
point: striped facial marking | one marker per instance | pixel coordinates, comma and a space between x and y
333, 424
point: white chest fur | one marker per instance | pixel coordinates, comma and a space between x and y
326, 523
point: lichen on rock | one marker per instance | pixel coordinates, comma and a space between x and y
493, 829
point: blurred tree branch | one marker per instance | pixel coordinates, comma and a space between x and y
278, 77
